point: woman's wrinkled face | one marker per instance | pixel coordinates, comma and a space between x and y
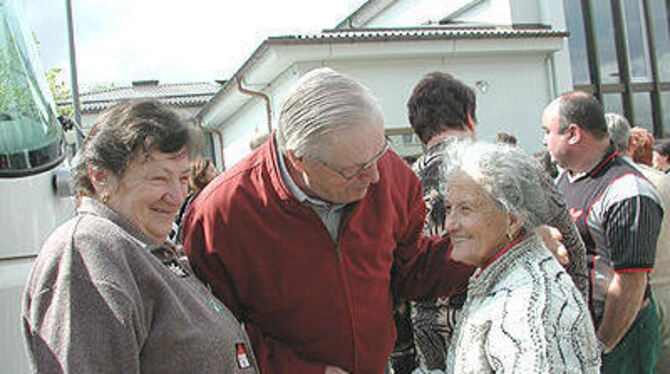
151, 190
475, 222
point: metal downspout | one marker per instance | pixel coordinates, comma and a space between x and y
263, 96
551, 73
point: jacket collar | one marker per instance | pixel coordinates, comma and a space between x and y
270, 153
609, 155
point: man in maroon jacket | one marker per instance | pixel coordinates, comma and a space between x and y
306, 237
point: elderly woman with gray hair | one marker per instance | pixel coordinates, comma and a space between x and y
522, 314
107, 293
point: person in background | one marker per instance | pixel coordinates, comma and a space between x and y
662, 155
307, 236
441, 110
202, 172
637, 144
641, 147
618, 215
522, 313
543, 157
505, 138
107, 293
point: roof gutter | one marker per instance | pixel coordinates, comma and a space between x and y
263, 96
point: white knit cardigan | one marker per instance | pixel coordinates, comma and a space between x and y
523, 314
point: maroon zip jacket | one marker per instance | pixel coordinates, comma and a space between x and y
307, 301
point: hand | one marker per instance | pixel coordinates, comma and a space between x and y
552, 239
334, 370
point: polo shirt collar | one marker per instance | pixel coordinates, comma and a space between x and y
609, 155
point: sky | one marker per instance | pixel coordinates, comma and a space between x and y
119, 41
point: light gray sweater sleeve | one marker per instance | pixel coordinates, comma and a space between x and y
96, 336
76, 317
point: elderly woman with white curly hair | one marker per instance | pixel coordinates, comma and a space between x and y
522, 314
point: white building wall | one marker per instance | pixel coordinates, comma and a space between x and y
509, 104
526, 11
515, 87
517, 77
409, 13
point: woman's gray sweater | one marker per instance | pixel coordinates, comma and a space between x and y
103, 298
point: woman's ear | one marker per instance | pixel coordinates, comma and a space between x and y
516, 222
99, 179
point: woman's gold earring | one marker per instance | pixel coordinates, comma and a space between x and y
105, 198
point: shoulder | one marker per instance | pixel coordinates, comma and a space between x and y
630, 184
246, 180
87, 248
395, 172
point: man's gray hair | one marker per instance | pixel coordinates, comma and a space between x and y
618, 128
510, 177
320, 102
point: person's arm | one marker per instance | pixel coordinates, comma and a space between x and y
272, 355
559, 217
623, 301
632, 227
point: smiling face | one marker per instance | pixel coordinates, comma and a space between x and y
477, 225
150, 191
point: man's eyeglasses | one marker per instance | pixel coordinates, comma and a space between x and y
353, 172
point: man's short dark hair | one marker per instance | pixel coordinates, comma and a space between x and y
662, 147
505, 138
584, 110
440, 102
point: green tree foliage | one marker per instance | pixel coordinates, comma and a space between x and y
61, 92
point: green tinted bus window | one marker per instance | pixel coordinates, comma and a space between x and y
30, 135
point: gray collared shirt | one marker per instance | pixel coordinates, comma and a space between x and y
330, 213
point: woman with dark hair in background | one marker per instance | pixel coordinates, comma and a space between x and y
203, 171
107, 293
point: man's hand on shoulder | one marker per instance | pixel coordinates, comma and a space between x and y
552, 239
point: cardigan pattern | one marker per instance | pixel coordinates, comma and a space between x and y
523, 314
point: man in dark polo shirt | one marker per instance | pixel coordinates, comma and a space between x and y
618, 215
